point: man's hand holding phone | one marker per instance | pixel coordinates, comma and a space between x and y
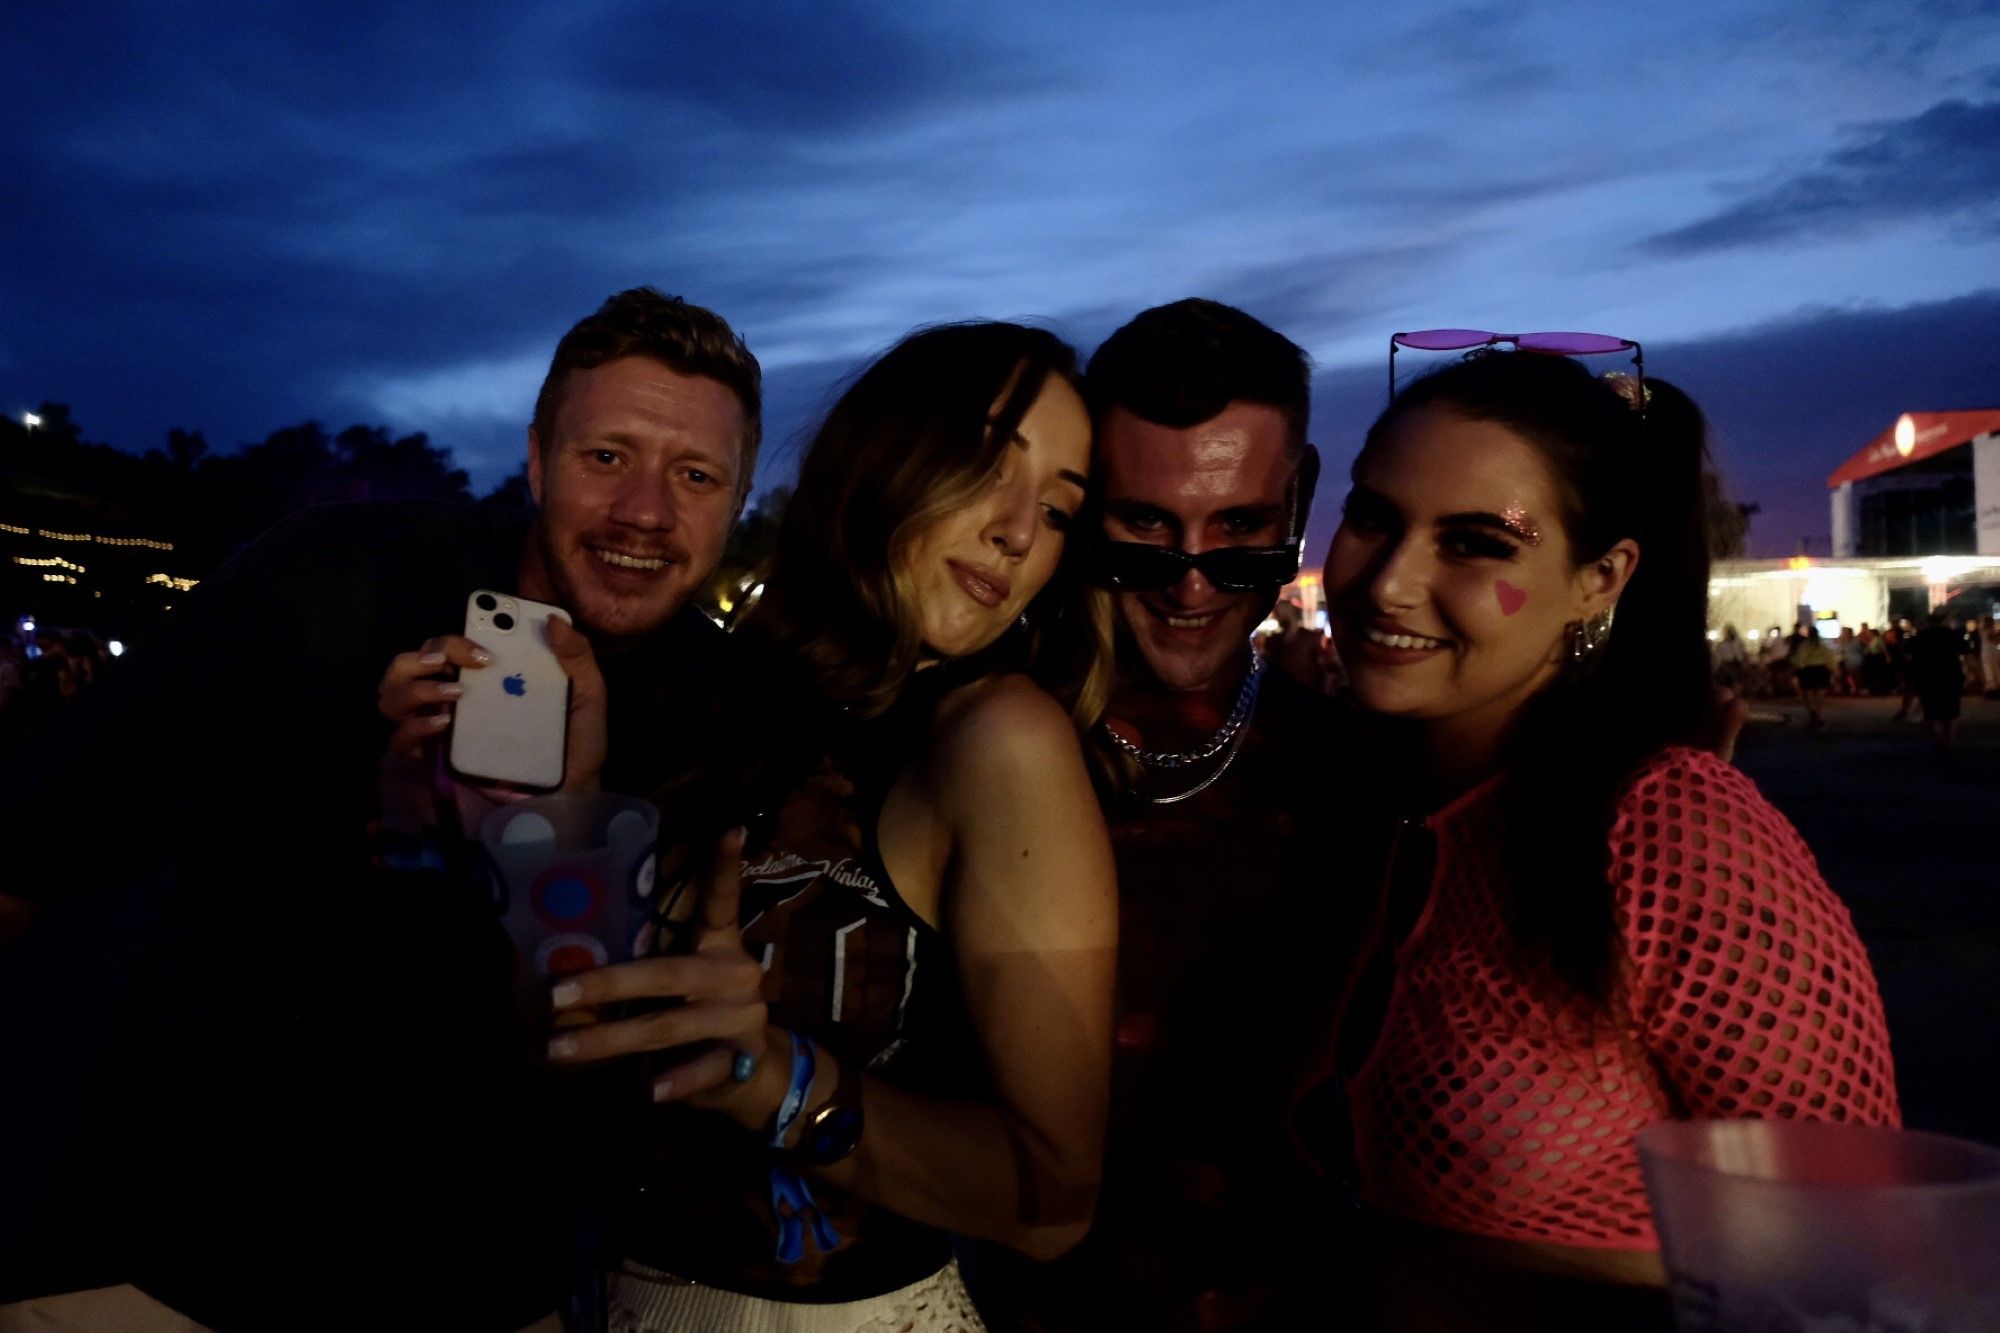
419, 694
418, 690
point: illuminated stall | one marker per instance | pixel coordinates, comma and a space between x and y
1755, 595
1927, 486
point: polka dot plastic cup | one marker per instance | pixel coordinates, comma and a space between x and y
1785, 1226
573, 880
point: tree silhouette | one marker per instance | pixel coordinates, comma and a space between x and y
186, 449
512, 496
748, 551
371, 466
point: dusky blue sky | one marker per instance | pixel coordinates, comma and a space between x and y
231, 217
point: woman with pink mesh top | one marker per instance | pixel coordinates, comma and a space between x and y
1586, 922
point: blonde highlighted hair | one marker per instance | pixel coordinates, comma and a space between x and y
915, 436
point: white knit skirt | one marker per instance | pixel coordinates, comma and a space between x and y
646, 1300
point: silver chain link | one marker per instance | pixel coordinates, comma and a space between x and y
1246, 701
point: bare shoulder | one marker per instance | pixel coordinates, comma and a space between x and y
1001, 720
1030, 861
1002, 744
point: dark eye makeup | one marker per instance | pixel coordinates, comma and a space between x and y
1477, 544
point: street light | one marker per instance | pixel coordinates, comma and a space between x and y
30, 420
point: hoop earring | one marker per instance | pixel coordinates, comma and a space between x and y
1585, 639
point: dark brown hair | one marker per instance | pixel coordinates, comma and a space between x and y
1618, 474
1179, 365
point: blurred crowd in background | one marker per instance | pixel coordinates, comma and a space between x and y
44, 667
1866, 661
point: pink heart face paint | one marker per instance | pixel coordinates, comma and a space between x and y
1447, 581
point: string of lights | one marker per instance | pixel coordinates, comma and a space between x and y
57, 569
54, 535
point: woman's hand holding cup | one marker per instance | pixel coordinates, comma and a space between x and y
721, 1017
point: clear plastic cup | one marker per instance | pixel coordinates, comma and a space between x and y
573, 881
1783, 1226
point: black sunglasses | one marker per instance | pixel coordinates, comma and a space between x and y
1143, 567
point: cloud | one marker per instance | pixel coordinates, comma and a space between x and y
481, 388
230, 216
1790, 400
794, 65
1944, 162
402, 230
1485, 49
1900, 34
1318, 297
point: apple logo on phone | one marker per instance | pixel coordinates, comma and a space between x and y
515, 684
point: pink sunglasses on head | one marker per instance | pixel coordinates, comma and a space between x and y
1554, 344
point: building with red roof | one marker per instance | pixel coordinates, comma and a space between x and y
1927, 486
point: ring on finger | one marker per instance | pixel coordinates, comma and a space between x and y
743, 1068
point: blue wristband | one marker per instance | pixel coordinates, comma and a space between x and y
804, 1058
792, 1202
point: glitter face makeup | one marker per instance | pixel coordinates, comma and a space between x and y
1449, 586
1515, 519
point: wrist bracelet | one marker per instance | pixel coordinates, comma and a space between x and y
833, 1130
792, 1202
803, 1062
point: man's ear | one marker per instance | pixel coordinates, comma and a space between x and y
1603, 580
535, 465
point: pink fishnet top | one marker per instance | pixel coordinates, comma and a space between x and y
1746, 993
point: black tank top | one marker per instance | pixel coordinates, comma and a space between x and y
848, 963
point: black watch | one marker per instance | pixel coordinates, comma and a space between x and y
833, 1130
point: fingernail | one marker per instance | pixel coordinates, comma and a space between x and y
663, 1090
562, 1048
438, 720
565, 993
481, 656
432, 659
451, 690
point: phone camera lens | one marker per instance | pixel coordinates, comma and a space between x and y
486, 601
503, 621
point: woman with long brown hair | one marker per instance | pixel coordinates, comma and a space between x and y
902, 1031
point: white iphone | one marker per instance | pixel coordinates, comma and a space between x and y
512, 723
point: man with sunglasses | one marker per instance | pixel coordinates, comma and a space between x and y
1201, 413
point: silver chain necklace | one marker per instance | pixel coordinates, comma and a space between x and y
1228, 737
